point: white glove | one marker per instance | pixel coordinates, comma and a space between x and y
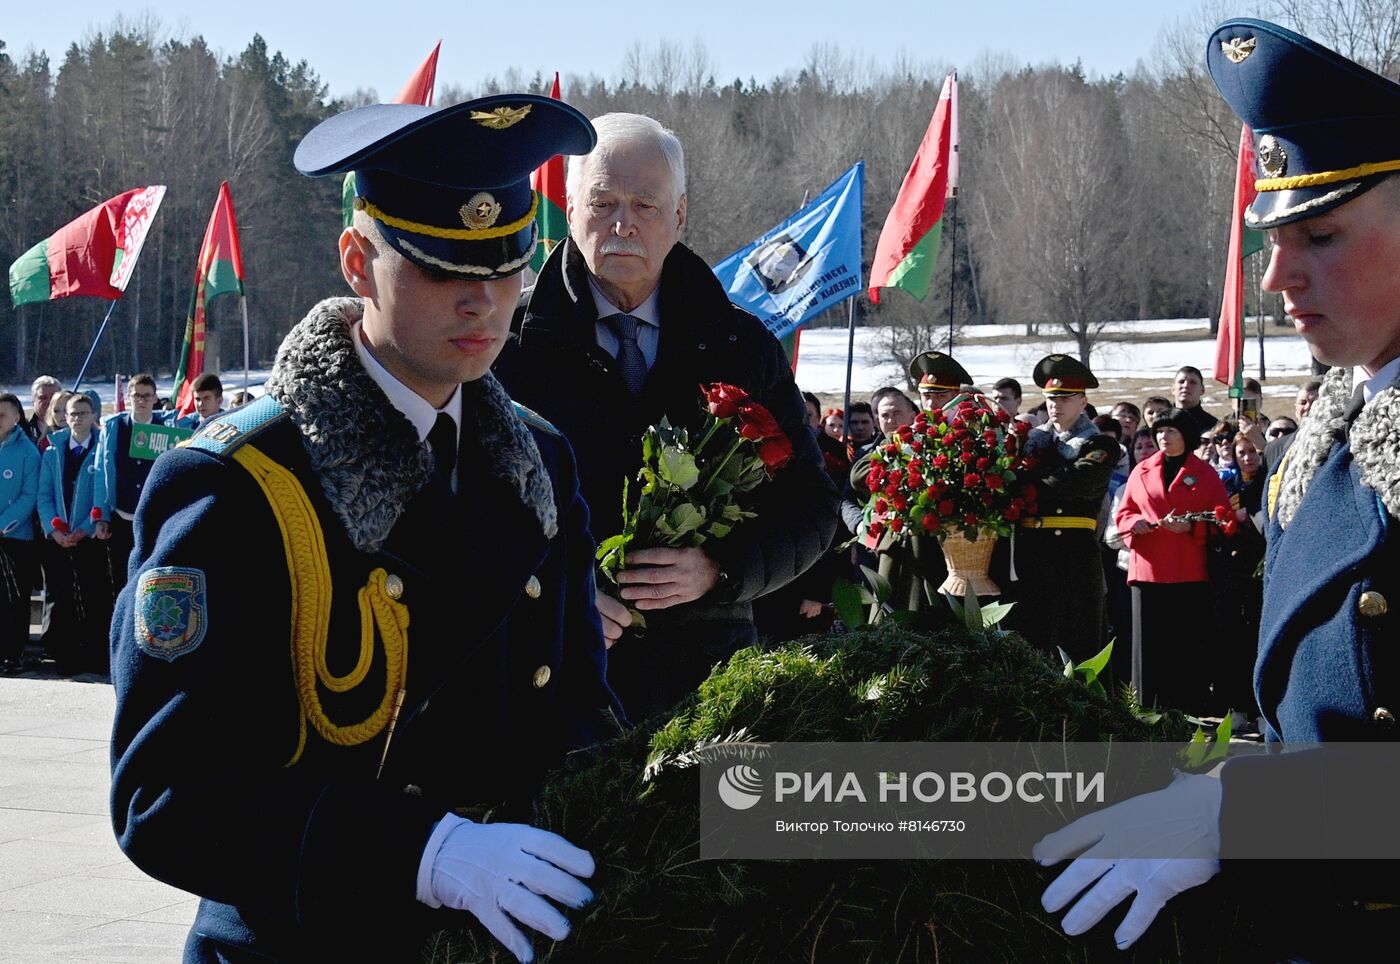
499, 871
1177, 827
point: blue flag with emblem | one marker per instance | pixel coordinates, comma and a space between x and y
805, 265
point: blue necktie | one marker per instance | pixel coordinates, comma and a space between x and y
629, 354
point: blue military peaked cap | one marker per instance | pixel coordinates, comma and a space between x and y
1328, 129
450, 186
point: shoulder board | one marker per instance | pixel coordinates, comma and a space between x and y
534, 419
228, 432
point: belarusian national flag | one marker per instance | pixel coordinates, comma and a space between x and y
551, 220
94, 254
908, 248
220, 272
418, 90
1229, 339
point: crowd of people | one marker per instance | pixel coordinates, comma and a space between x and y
1196, 581
69, 485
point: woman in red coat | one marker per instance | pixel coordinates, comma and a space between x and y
1167, 565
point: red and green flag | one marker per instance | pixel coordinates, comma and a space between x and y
1229, 339
550, 219
94, 254
219, 272
908, 248
418, 90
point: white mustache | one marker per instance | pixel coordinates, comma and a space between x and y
622, 246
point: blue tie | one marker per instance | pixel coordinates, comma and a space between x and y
629, 354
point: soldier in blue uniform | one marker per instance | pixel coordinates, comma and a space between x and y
1328, 149
361, 614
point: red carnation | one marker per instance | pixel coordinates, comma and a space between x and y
930, 522
971, 480
995, 482
1029, 493
970, 518
876, 529
891, 449
57, 523
873, 482
946, 507
96, 514
900, 502
967, 458
724, 401
775, 452
896, 524
917, 446
933, 492
1020, 427
882, 506
983, 464
895, 477
989, 437
940, 461
891, 488
757, 423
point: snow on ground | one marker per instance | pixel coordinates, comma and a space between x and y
821, 360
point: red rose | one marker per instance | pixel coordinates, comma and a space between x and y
967, 458
1013, 512
1010, 443
917, 446
940, 461
891, 488
989, 437
757, 423
930, 522
933, 492
1020, 427
970, 519
882, 506
873, 482
876, 529
957, 424
896, 524
987, 499
900, 502
995, 482
891, 449
983, 464
1029, 463
775, 452
971, 480
895, 477
724, 401
946, 507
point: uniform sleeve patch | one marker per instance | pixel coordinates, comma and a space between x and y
171, 612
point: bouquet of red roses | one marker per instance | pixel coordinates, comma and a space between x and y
690, 490
954, 469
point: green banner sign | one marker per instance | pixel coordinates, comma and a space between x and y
149, 441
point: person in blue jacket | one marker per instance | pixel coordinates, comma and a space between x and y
19, 488
1327, 674
121, 477
75, 564
361, 614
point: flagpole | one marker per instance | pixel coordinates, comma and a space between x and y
850, 355
86, 361
1258, 286
952, 269
243, 303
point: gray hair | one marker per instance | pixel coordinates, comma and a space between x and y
619, 128
45, 381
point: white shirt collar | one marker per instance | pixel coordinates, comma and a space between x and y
413, 406
77, 446
1381, 380
648, 311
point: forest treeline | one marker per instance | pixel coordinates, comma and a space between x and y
1083, 199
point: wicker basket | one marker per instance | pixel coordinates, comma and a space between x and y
967, 564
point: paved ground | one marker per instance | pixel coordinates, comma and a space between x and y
67, 894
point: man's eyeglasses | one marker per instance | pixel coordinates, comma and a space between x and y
1277, 432
144, 396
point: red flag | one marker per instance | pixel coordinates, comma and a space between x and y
94, 254
551, 219
420, 87
219, 272
908, 248
1229, 339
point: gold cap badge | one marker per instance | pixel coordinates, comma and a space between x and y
1238, 49
501, 118
480, 212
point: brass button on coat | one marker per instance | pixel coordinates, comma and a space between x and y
393, 585
532, 588
1372, 604
1383, 715
542, 677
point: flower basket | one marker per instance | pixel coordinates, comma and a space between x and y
967, 561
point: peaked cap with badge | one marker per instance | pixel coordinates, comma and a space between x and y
449, 187
1063, 375
935, 371
1327, 129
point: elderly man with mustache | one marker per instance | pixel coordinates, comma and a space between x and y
621, 328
